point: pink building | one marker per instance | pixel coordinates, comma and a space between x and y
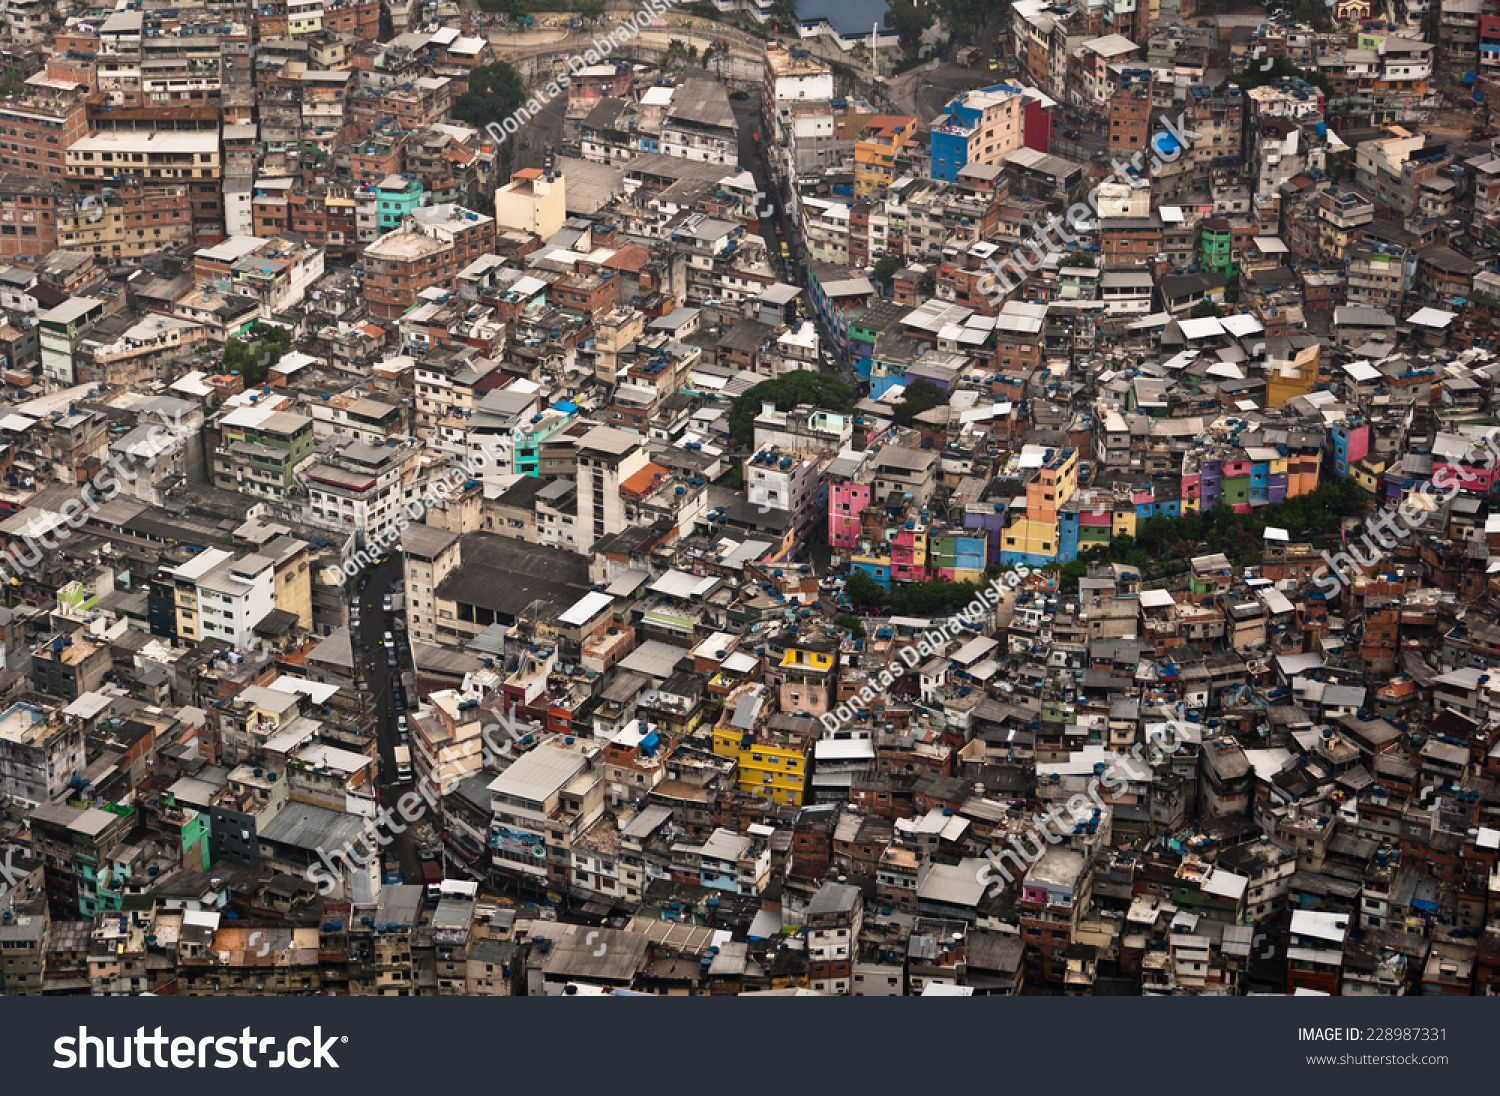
846, 502
909, 555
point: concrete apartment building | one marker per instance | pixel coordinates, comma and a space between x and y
40, 751
152, 158
540, 804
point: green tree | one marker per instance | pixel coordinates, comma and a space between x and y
918, 397
1076, 258
1155, 534
495, 93
964, 19
850, 623
909, 22
253, 356
786, 392
886, 269
1207, 308
864, 591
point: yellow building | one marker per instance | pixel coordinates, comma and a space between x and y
1287, 380
1032, 538
1367, 474
804, 678
533, 201
1054, 483
770, 764
293, 578
876, 150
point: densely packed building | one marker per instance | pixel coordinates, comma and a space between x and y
757, 539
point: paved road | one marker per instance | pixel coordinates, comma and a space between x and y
747, 114
370, 655
926, 89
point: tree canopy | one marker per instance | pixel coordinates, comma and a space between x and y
495, 93
786, 392
886, 269
919, 396
1241, 537
1254, 75
253, 356
964, 19
909, 22
933, 597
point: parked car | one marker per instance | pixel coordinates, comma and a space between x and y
390, 640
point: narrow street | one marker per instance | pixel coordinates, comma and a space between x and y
370, 658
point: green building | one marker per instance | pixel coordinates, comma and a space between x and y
1216, 247
395, 198
260, 451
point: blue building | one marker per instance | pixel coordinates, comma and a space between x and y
850, 21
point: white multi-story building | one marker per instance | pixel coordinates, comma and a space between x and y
221, 597
360, 487
551, 789
779, 480
606, 458
700, 124
40, 751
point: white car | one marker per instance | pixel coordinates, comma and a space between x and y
390, 640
